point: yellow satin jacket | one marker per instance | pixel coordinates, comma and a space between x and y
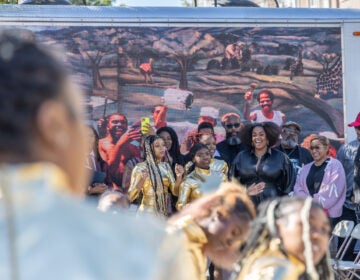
271, 265
198, 183
148, 200
194, 246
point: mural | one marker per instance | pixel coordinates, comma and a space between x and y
182, 73
206, 70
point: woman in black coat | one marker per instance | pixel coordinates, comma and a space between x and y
265, 172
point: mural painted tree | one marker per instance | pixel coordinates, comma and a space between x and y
187, 46
93, 45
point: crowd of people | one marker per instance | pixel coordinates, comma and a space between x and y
256, 205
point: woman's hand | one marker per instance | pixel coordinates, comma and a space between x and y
179, 170
256, 189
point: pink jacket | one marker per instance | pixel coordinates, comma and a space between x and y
332, 192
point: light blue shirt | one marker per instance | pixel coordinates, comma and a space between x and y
57, 237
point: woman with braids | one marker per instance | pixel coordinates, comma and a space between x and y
265, 171
215, 226
288, 241
323, 179
200, 178
154, 179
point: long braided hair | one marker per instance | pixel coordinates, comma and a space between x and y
265, 231
155, 175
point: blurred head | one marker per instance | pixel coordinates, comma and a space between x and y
290, 135
319, 148
232, 125
207, 119
301, 228
260, 135
41, 114
205, 128
225, 217
117, 125
113, 202
290, 229
209, 141
266, 99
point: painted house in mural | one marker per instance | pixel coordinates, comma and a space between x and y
202, 61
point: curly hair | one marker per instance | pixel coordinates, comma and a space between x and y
271, 129
29, 76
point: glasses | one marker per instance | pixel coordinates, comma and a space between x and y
231, 125
315, 148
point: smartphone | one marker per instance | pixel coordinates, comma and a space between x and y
145, 123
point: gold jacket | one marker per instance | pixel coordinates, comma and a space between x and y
198, 183
272, 265
195, 241
148, 195
219, 165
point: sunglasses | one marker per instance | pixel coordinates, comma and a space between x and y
315, 148
231, 125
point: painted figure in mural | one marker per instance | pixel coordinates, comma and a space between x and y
159, 114
119, 145
232, 56
146, 70
266, 114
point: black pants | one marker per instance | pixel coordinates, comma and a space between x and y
349, 215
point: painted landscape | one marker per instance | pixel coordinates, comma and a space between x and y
207, 69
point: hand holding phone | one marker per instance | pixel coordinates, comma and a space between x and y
145, 125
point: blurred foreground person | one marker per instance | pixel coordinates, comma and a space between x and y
44, 233
113, 201
215, 225
288, 241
